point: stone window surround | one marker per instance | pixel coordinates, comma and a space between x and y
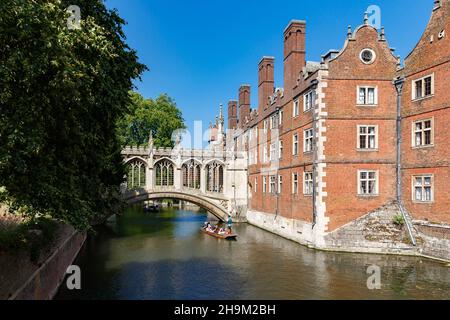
280, 183
377, 184
295, 144
413, 134
294, 183
358, 134
413, 88
296, 108
413, 188
305, 138
306, 181
309, 93
375, 96
374, 56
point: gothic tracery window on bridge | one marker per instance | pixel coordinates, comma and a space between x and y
164, 171
136, 174
191, 174
214, 177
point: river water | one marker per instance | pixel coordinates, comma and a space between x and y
165, 256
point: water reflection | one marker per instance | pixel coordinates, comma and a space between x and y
165, 256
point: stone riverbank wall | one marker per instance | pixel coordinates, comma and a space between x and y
22, 279
375, 233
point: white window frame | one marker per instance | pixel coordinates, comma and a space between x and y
422, 80
280, 118
295, 144
422, 186
295, 183
272, 184
280, 149
280, 184
307, 137
296, 108
308, 97
252, 157
377, 183
358, 136
265, 125
273, 151
366, 88
265, 153
374, 56
308, 183
256, 184
273, 122
422, 131
264, 184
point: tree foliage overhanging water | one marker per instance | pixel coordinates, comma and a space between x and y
62, 92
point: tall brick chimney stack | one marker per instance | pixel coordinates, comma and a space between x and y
265, 81
232, 114
294, 54
244, 104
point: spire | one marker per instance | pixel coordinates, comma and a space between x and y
349, 32
366, 18
382, 35
150, 140
221, 118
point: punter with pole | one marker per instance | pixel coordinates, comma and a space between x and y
230, 222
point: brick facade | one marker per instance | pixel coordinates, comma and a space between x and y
350, 102
431, 56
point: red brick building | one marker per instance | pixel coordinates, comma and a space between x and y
323, 152
426, 121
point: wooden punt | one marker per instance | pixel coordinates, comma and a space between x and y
221, 236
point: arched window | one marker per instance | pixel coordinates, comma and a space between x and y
164, 170
191, 174
135, 174
214, 177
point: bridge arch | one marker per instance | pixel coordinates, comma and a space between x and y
137, 196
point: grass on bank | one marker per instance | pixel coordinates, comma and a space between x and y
24, 234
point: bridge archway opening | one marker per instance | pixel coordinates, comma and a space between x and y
216, 210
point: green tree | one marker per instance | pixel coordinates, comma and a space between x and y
61, 94
161, 117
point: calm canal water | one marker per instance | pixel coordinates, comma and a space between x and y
165, 256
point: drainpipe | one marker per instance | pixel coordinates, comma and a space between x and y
314, 84
399, 83
277, 176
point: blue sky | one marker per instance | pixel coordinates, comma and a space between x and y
200, 51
